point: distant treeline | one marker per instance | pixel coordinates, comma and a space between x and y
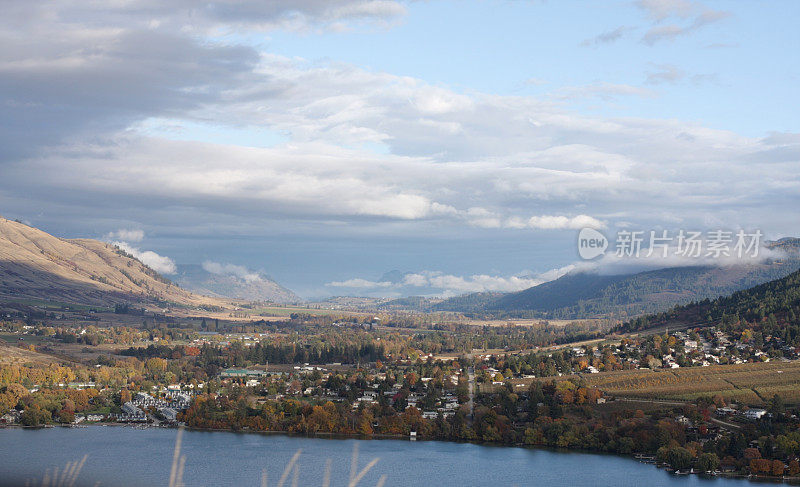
237, 355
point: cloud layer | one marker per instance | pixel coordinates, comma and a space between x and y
232, 270
434, 283
102, 104
356, 144
159, 263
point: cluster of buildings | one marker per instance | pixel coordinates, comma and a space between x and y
752, 414
311, 382
134, 411
708, 347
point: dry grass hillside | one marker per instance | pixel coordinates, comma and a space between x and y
35, 264
13, 355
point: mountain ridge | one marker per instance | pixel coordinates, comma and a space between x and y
590, 294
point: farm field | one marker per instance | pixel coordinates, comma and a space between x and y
13, 355
536, 322
285, 311
14, 339
752, 383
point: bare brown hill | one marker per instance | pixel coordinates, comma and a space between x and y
37, 265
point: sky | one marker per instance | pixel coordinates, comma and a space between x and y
389, 148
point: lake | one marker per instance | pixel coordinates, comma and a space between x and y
125, 456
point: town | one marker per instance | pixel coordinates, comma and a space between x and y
368, 378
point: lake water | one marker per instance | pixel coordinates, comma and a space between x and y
123, 456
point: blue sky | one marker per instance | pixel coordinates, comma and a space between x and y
498, 47
327, 142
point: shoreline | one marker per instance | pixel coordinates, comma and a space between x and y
344, 436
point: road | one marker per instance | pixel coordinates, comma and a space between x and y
471, 403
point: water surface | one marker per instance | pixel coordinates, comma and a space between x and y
124, 456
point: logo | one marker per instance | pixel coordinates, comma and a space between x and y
591, 243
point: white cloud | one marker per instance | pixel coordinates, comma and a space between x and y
446, 285
359, 283
606, 37
665, 73
356, 147
603, 91
232, 270
159, 263
480, 217
660, 10
127, 235
435, 283
550, 222
697, 15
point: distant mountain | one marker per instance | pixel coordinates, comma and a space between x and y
253, 287
35, 264
771, 309
592, 295
409, 303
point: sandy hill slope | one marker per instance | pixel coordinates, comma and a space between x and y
35, 264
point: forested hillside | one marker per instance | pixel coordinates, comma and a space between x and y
769, 309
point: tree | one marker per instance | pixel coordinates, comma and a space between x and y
66, 415
365, 424
776, 405
760, 465
708, 462
679, 458
35, 416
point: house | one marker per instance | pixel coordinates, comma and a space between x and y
144, 399
88, 417
755, 414
11, 417
169, 413
130, 409
242, 374
725, 411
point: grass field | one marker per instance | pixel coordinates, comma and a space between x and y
750, 384
14, 339
10, 354
528, 322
